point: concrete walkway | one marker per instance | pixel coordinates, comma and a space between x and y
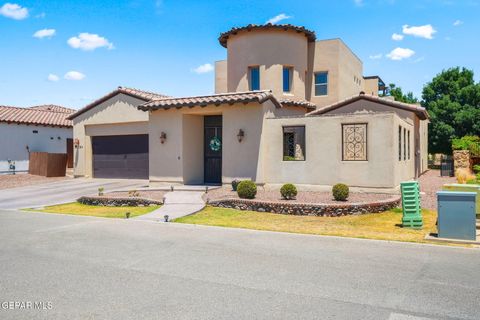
177, 204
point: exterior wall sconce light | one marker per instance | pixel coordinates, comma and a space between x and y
76, 143
163, 137
240, 135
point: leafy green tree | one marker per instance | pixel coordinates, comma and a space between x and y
452, 99
398, 94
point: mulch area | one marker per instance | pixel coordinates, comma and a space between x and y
147, 194
8, 181
302, 196
430, 183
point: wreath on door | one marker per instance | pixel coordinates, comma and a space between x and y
215, 144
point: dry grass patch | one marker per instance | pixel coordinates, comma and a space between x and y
76, 208
382, 226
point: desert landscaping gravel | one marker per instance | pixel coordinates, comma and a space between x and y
8, 181
431, 182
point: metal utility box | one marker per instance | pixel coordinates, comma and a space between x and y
456, 215
465, 188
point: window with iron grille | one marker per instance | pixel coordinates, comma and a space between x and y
354, 141
294, 143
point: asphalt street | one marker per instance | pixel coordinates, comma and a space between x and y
94, 268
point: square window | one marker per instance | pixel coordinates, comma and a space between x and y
254, 78
321, 83
354, 140
294, 143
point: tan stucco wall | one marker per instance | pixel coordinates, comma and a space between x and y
270, 50
404, 170
221, 76
323, 164
116, 116
342, 66
180, 158
370, 86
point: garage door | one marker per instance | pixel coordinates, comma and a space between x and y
124, 157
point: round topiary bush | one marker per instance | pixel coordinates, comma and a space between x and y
340, 192
288, 191
247, 189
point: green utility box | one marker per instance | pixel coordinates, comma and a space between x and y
466, 188
412, 213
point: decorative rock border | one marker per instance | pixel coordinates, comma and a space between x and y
118, 202
309, 209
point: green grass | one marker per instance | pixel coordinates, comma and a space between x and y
382, 226
76, 208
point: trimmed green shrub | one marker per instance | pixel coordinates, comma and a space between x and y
476, 169
471, 143
247, 189
340, 192
288, 191
235, 183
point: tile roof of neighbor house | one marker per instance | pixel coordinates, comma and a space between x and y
223, 39
54, 108
230, 98
38, 115
418, 110
136, 93
298, 103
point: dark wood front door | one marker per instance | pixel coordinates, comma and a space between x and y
213, 149
69, 153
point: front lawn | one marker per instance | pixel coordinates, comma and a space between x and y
382, 226
76, 208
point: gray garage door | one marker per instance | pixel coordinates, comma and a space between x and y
123, 157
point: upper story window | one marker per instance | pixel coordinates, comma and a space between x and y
294, 143
287, 79
254, 78
321, 83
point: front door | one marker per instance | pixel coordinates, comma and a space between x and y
213, 149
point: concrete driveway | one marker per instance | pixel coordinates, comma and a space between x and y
60, 192
93, 268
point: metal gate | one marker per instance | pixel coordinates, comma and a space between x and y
446, 166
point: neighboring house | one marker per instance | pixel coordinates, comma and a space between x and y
287, 108
40, 128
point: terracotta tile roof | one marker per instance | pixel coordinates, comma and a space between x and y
418, 110
34, 116
136, 93
308, 33
298, 103
216, 99
53, 108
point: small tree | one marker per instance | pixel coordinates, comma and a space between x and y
398, 94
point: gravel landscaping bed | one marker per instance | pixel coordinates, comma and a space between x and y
8, 181
431, 182
302, 197
147, 194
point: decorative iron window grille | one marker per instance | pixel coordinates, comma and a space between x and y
354, 141
294, 143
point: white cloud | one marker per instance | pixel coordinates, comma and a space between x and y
14, 11
376, 56
425, 31
397, 37
358, 3
278, 18
419, 60
204, 68
88, 42
41, 15
400, 54
457, 23
74, 75
53, 77
44, 33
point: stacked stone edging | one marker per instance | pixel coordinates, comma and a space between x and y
309, 209
118, 202
461, 159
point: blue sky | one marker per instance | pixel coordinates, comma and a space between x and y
88, 48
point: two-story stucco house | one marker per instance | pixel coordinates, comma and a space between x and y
287, 108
